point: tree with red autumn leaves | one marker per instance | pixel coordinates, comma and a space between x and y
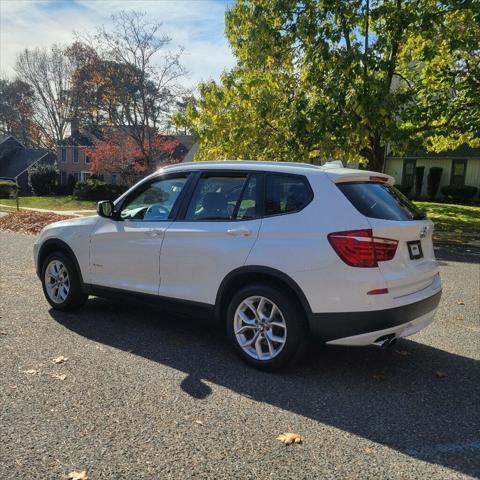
118, 152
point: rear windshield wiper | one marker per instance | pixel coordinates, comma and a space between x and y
419, 215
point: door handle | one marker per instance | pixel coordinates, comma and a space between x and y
239, 232
153, 233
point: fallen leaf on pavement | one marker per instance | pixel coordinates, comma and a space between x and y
288, 438
60, 359
460, 302
199, 422
31, 371
379, 377
59, 376
440, 374
403, 353
78, 475
3, 333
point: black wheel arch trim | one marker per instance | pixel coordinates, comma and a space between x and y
55, 242
260, 269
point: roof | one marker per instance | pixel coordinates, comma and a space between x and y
462, 151
82, 139
254, 165
20, 160
333, 170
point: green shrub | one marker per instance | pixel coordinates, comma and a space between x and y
93, 189
66, 189
459, 194
43, 179
8, 189
419, 172
433, 181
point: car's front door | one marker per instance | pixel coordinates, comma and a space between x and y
125, 251
212, 237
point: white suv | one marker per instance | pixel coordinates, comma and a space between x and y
279, 252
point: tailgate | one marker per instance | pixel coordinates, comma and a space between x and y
413, 267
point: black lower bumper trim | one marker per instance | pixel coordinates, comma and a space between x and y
332, 326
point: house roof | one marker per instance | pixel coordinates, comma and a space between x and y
17, 161
81, 139
462, 151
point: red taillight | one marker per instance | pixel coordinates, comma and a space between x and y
378, 291
378, 179
359, 248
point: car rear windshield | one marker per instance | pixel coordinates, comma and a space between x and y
377, 200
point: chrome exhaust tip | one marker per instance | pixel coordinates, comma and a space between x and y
385, 341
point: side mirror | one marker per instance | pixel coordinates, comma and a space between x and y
105, 208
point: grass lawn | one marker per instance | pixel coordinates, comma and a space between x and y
461, 219
51, 203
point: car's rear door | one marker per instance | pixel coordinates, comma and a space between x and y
212, 236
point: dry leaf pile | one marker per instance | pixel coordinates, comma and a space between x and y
29, 222
288, 438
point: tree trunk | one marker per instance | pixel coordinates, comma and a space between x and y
375, 155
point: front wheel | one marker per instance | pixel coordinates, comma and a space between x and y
266, 327
61, 284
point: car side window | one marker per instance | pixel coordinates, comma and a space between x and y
218, 197
286, 193
247, 208
156, 202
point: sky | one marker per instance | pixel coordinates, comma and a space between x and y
196, 25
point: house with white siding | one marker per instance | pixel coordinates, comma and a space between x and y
460, 167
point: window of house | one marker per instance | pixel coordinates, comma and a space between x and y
286, 193
84, 175
459, 169
64, 154
75, 155
114, 178
216, 197
87, 159
408, 177
63, 178
76, 176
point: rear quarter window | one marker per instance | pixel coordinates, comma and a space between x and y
376, 200
286, 194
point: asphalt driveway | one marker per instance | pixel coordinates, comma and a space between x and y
147, 394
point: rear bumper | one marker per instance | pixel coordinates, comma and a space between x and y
340, 328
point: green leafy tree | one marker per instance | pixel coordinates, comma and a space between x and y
342, 78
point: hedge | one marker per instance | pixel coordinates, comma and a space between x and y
8, 189
459, 194
43, 179
93, 189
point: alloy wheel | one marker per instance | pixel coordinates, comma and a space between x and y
260, 328
57, 281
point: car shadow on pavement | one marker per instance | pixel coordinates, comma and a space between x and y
390, 397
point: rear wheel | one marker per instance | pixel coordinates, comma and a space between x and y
61, 284
266, 327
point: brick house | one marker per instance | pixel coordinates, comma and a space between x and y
72, 158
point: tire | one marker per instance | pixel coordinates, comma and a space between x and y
287, 312
70, 298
